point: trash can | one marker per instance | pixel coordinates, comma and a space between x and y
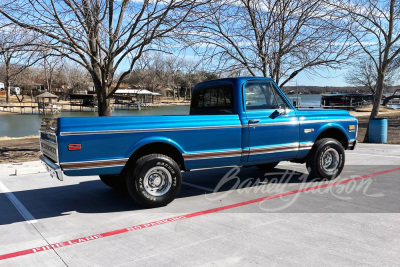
378, 130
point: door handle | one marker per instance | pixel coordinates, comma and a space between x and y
253, 121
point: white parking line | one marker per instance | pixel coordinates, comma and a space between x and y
198, 187
18, 205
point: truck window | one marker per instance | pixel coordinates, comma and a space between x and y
281, 103
262, 96
213, 100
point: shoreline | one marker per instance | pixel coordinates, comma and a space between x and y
33, 110
5, 138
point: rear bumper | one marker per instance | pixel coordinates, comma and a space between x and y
52, 168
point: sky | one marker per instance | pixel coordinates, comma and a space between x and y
321, 78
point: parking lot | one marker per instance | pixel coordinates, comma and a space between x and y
225, 216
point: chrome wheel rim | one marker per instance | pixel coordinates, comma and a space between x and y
330, 160
157, 181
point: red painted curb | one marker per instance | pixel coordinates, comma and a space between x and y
178, 218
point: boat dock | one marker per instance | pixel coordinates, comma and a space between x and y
33, 108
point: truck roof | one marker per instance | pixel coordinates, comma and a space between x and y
234, 79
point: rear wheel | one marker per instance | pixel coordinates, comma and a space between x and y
154, 181
326, 159
114, 181
267, 166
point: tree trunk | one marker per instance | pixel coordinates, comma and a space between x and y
50, 85
7, 81
103, 103
8, 91
376, 103
45, 75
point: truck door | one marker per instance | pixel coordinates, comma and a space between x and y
273, 126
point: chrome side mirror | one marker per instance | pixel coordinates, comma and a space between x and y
282, 111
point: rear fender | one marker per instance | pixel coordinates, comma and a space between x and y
153, 139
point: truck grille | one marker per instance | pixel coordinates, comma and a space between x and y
48, 138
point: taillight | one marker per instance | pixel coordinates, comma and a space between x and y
74, 146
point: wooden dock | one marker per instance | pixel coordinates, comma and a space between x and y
395, 101
28, 109
32, 108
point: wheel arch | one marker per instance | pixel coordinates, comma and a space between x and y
335, 132
155, 145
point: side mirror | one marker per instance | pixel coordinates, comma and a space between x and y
277, 113
282, 111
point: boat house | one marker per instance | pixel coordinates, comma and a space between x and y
346, 99
142, 96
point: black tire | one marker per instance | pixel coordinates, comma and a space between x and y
326, 159
154, 181
114, 181
267, 166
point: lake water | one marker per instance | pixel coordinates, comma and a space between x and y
18, 125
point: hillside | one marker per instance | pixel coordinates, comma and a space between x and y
330, 89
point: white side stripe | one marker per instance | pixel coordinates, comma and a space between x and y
152, 130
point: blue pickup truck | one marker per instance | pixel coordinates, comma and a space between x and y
245, 121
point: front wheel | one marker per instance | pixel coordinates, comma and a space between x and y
326, 159
155, 181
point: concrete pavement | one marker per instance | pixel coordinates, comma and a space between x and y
356, 222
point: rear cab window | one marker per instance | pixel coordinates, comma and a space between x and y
215, 99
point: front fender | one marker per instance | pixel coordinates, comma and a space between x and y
331, 126
306, 138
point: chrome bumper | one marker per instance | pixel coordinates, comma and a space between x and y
52, 168
352, 145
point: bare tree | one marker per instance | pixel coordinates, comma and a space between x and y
189, 68
51, 66
152, 71
376, 29
149, 72
75, 76
138, 76
102, 35
364, 74
173, 68
158, 71
17, 53
276, 38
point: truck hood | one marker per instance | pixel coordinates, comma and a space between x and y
322, 112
